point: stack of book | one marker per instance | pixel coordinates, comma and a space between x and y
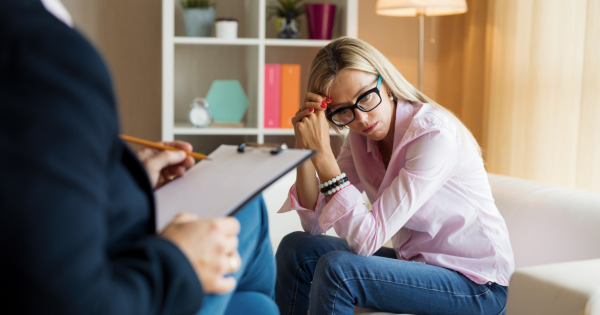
282, 94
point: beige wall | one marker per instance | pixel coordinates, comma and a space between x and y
128, 33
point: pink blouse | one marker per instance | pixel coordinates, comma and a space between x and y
434, 200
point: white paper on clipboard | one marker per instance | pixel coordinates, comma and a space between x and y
220, 186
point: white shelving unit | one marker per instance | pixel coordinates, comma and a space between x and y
190, 64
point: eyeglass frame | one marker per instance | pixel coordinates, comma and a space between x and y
376, 89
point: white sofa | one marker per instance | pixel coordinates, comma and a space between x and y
555, 234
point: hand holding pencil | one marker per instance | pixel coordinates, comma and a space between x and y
164, 161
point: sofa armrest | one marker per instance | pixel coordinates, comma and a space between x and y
563, 288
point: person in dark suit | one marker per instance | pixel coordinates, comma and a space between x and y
77, 220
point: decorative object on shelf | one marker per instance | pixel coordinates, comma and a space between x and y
272, 95
420, 8
199, 114
320, 17
287, 13
226, 28
227, 100
199, 16
290, 94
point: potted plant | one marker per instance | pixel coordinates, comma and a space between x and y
286, 13
199, 16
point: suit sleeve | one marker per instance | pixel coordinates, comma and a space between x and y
58, 130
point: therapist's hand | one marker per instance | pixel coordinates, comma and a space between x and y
210, 246
163, 165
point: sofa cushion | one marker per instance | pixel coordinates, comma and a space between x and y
547, 223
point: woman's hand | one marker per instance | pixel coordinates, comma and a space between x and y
310, 124
163, 165
210, 246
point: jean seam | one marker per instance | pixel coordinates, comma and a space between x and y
295, 288
503, 309
405, 284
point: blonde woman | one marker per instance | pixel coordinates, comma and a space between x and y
423, 172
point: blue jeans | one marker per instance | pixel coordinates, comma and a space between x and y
341, 280
254, 293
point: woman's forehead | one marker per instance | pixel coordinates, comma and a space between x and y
348, 83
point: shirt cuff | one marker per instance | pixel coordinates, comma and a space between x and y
342, 203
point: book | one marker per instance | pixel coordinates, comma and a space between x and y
224, 184
290, 94
272, 95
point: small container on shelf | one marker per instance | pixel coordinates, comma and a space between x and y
226, 28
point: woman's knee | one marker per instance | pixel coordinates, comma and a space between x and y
294, 245
331, 266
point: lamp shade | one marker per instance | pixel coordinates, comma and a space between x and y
414, 7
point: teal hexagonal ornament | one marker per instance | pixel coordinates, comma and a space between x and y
227, 101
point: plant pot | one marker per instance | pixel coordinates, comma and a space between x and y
199, 22
279, 21
226, 28
320, 18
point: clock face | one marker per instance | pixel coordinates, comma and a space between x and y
199, 116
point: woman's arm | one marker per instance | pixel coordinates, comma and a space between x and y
312, 132
309, 217
431, 160
306, 186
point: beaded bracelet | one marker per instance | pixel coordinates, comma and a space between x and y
334, 185
337, 183
335, 189
332, 181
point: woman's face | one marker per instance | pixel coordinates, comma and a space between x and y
347, 87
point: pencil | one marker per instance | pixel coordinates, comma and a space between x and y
161, 146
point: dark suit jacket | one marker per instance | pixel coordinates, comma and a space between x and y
77, 231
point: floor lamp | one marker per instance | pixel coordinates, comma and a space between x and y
421, 8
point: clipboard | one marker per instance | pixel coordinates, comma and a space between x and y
223, 185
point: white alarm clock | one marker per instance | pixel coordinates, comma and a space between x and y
199, 114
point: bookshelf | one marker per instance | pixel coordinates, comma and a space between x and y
190, 64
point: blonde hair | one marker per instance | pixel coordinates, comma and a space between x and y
355, 54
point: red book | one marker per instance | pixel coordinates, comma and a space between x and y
290, 94
272, 95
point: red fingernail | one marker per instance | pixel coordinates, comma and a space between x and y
328, 100
323, 104
311, 110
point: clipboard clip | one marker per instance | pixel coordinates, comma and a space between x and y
273, 148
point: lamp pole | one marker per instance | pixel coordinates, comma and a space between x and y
421, 48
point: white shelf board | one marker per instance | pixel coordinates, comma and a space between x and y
278, 132
296, 42
188, 129
215, 41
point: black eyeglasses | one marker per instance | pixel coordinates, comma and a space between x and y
366, 102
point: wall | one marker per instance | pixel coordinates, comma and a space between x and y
128, 33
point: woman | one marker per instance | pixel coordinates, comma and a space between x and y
423, 172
